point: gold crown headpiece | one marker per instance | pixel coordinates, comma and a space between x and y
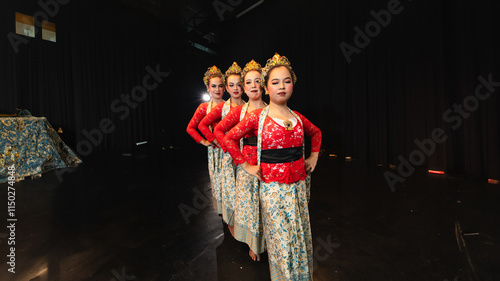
233, 69
212, 71
252, 65
277, 60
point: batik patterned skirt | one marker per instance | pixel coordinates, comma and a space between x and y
228, 182
287, 230
248, 225
214, 170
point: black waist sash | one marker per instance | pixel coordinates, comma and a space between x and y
281, 155
252, 141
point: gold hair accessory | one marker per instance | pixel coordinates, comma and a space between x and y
251, 66
277, 60
233, 69
212, 71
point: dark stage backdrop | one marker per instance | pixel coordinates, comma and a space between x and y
402, 80
115, 77
409, 72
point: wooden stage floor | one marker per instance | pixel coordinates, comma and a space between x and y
150, 217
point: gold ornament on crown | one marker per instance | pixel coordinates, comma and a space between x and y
278, 60
251, 66
212, 71
233, 69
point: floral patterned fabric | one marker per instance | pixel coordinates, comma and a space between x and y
231, 119
215, 164
228, 178
285, 204
248, 225
287, 230
283, 199
227, 171
214, 170
211, 120
280, 138
32, 145
214, 154
198, 115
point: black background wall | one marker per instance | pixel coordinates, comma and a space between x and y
396, 90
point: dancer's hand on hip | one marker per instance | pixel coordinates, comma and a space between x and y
253, 170
311, 162
216, 143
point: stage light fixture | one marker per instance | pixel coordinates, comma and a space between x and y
436, 172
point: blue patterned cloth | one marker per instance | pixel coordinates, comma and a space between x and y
214, 170
287, 226
32, 145
248, 224
228, 177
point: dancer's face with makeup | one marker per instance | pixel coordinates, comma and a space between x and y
215, 88
279, 85
253, 89
233, 86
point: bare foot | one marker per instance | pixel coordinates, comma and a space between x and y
231, 229
254, 256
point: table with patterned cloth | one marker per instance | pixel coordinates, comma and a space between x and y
33, 147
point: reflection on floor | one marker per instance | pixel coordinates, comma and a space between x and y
149, 217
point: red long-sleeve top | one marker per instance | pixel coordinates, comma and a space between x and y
249, 152
198, 115
213, 118
275, 136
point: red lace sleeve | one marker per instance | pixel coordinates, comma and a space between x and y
313, 132
231, 119
198, 115
211, 118
249, 123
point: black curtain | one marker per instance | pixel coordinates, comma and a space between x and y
398, 89
84, 82
395, 91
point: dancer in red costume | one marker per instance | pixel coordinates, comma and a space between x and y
228, 170
214, 81
247, 217
283, 170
